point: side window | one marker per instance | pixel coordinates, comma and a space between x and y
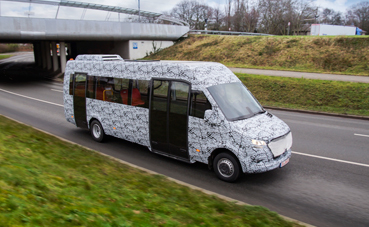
80, 85
140, 93
101, 84
113, 90
199, 103
120, 90
71, 84
91, 83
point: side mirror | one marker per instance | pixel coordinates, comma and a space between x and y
211, 118
207, 115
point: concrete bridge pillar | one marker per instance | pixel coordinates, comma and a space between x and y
48, 55
43, 55
37, 54
55, 57
63, 59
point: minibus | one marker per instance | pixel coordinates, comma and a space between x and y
189, 111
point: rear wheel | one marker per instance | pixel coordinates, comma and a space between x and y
226, 167
97, 131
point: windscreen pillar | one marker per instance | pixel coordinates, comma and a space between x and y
48, 55
55, 57
63, 59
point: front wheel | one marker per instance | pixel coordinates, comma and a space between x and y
226, 167
97, 131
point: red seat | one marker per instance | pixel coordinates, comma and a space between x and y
99, 93
136, 97
124, 95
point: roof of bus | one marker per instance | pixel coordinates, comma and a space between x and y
200, 74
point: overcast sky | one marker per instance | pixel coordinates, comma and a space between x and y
11, 8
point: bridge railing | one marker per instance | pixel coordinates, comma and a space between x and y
212, 32
148, 17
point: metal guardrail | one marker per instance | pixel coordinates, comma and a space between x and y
212, 32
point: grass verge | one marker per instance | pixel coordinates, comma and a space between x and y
338, 54
47, 182
4, 56
306, 94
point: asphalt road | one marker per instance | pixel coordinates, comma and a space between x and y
311, 189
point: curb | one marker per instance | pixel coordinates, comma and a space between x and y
228, 199
318, 113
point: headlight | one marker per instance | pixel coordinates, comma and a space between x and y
258, 142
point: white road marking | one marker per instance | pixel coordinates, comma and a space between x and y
331, 159
56, 90
32, 98
361, 135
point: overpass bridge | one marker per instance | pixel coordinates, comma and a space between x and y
148, 32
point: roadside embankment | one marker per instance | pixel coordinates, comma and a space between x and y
4, 56
306, 94
45, 181
328, 54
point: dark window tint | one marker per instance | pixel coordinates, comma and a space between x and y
140, 93
179, 97
111, 89
71, 84
101, 85
121, 90
91, 84
80, 85
199, 103
160, 93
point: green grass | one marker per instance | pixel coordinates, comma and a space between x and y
332, 54
47, 182
306, 94
4, 56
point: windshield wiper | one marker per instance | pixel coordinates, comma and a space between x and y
260, 112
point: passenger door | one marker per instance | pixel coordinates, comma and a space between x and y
79, 100
169, 117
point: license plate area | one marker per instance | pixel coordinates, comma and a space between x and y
284, 163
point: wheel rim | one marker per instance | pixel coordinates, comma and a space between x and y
96, 130
225, 167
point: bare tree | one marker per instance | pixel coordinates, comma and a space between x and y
216, 19
329, 16
360, 12
228, 13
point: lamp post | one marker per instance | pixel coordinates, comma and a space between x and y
139, 13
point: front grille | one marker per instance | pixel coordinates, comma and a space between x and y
279, 145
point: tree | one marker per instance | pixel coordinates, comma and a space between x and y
360, 14
193, 12
329, 16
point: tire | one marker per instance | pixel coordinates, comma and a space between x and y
226, 167
97, 131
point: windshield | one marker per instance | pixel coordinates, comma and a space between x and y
235, 101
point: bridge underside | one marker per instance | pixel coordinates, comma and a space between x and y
130, 40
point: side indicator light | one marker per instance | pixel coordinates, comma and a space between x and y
197, 150
114, 128
72, 116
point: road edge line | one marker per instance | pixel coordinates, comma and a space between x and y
226, 198
318, 113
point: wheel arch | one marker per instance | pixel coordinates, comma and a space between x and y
91, 120
217, 151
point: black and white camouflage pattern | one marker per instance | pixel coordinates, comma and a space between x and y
132, 123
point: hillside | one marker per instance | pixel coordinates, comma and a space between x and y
339, 54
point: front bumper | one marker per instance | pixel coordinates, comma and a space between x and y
261, 166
